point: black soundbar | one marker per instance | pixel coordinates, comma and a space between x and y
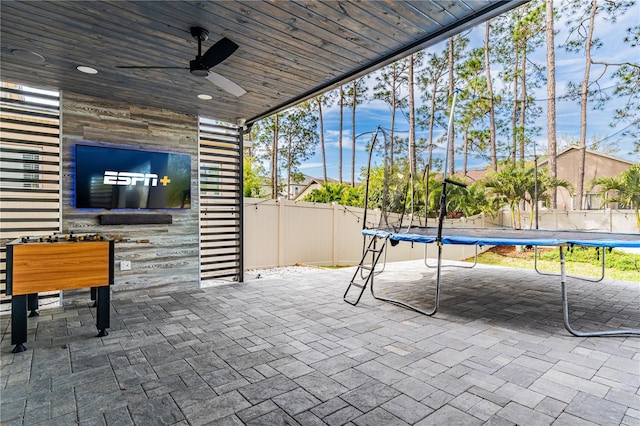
135, 219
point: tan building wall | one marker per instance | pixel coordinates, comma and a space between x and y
596, 165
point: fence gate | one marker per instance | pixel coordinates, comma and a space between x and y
29, 167
220, 202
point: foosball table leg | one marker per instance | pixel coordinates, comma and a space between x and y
19, 322
103, 314
32, 305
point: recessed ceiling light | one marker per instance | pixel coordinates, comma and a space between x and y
28, 56
205, 97
87, 70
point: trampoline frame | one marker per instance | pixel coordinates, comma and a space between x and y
441, 240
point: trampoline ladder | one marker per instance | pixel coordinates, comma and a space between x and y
365, 270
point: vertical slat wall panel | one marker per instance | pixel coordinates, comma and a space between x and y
220, 202
29, 166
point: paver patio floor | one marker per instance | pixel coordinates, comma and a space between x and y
288, 350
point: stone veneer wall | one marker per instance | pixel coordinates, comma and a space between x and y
171, 258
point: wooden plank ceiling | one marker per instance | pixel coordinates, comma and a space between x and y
288, 50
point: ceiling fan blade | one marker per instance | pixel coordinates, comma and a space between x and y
151, 67
218, 52
225, 84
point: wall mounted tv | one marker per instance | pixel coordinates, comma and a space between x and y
115, 178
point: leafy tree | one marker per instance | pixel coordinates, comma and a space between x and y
490, 96
552, 142
391, 80
514, 186
264, 134
335, 192
509, 185
341, 102
286, 140
474, 107
415, 60
581, 38
253, 177
431, 83
546, 185
299, 137
356, 95
628, 87
327, 100
623, 189
517, 35
470, 201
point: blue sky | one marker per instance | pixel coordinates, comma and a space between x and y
569, 67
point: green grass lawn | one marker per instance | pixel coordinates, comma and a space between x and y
579, 261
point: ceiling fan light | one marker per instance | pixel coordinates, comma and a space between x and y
197, 68
205, 97
200, 72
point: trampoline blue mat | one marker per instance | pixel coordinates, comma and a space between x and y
509, 237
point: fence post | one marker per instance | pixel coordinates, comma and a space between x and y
334, 234
281, 235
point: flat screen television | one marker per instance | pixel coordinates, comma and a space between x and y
116, 178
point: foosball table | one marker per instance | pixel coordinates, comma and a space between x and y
56, 263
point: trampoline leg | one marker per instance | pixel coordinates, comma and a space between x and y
428, 265
436, 304
565, 310
593, 280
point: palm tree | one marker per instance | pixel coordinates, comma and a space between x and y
547, 185
626, 187
327, 193
509, 186
514, 186
336, 192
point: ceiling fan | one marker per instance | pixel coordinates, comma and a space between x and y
202, 64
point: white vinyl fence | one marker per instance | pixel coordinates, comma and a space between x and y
284, 233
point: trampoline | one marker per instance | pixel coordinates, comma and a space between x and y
491, 237
415, 231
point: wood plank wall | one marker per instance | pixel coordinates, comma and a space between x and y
170, 258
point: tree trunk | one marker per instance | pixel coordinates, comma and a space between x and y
353, 133
465, 150
274, 160
552, 146
412, 121
393, 118
514, 110
492, 112
451, 134
583, 107
340, 135
432, 119
324, 156
523, 104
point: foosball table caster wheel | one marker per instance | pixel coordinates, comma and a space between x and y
102, 333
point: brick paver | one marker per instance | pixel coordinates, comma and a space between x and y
288, 350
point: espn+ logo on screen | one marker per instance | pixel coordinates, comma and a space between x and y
133, 179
